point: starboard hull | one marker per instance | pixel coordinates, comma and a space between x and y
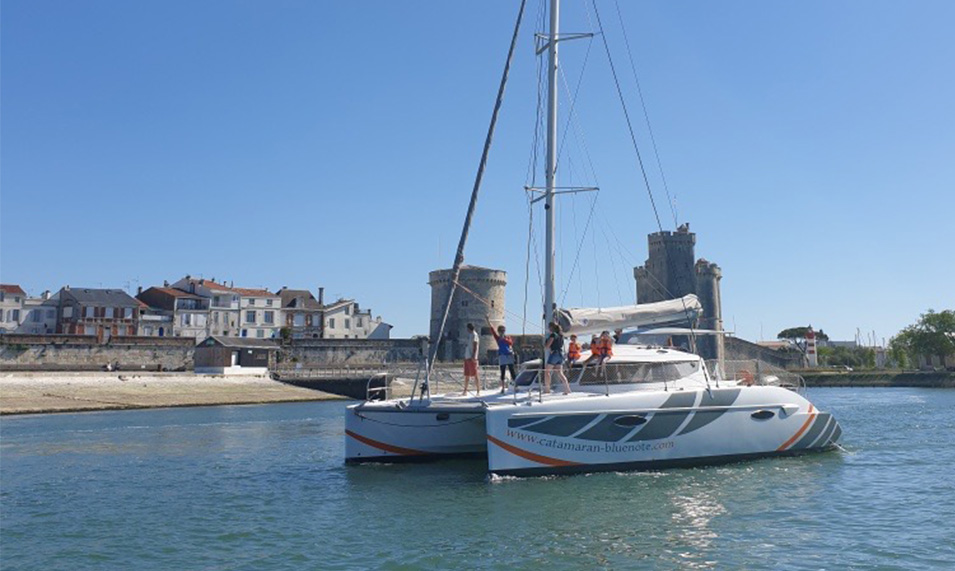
655, 430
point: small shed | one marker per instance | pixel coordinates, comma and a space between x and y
218, 355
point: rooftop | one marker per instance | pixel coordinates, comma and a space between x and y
12, 289
112, 297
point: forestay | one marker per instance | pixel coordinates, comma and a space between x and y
590, 320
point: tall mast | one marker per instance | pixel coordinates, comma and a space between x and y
551, 166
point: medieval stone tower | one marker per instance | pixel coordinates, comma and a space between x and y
670, 272
482, 295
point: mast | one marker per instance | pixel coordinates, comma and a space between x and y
551, 166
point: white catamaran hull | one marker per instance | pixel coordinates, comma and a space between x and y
654, 430
392, 432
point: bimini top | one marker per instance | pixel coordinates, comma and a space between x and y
591, 320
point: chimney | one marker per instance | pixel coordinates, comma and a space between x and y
139, 290
165, 283
321, 296
46, 294
67, 287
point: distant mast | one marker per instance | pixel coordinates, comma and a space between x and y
551, 166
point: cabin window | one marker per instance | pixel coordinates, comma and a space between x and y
526, 378
626, 373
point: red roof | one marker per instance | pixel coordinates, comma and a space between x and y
253, 292
175, 292
12, 289
213, 285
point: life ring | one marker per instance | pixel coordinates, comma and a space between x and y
746, 377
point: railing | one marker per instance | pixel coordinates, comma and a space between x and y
755, 372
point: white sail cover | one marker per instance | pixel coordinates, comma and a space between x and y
594, 320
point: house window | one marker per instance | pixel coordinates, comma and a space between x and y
358, 322
16, 315
108, 314
36, 315
270, 317
464, 303
250, 317
185, 319
51, 314
215, 300
268, 302
67, 312
331, 323
348, 324
260, 333
347, 310
245, 332
128, 314
89, 312
215, 317
251, 302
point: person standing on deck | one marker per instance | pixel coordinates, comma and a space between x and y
555, 358
605, 347
470, 360
505, 352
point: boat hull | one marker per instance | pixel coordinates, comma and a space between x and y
389, 432
655, 430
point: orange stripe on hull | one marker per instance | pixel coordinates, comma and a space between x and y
530, 455
805, 425
384, 446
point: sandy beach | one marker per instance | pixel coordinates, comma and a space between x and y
30, 393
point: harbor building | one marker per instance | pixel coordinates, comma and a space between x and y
223, 304
671, 271
480, 294
95, 311
39, 314
189, 313
302, 312
260, 312
12, 297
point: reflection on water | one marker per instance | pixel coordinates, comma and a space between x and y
265, 488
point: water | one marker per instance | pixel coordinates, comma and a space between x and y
263, 487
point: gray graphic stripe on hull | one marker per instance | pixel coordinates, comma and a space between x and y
836, 434
824, 439
520, 422
818, 425
663, 424
562, 425
725, 397
606, 430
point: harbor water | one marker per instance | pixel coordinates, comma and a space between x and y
264, 487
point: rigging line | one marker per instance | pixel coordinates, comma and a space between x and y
593, 204
626, 114
472, 205
527, 263
486, 302
573, 99
646, 115
613, 268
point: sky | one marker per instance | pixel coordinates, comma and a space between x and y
810, 145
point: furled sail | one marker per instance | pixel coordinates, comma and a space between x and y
594, 320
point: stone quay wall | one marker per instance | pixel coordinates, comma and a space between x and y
741, 350
85, 353
320, 353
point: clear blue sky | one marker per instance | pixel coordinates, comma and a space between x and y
811, 145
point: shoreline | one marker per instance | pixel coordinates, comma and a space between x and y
879, 379
47, 393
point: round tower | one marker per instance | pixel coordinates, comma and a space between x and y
480, 294
708, 276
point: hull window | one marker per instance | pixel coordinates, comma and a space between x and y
763, 414
630, 420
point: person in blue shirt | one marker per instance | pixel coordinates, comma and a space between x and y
505, 352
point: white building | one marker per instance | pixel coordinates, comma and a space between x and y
260, 313
39, 315
223, 304
344, 319
12, 297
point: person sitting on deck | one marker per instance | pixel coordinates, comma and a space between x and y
573, 351
505, 352
605, 348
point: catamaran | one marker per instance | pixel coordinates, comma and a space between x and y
648, 407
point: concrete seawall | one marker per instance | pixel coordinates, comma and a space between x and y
940, 379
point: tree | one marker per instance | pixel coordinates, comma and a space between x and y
932, 335
798, 336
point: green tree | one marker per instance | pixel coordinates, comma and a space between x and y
933, 334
